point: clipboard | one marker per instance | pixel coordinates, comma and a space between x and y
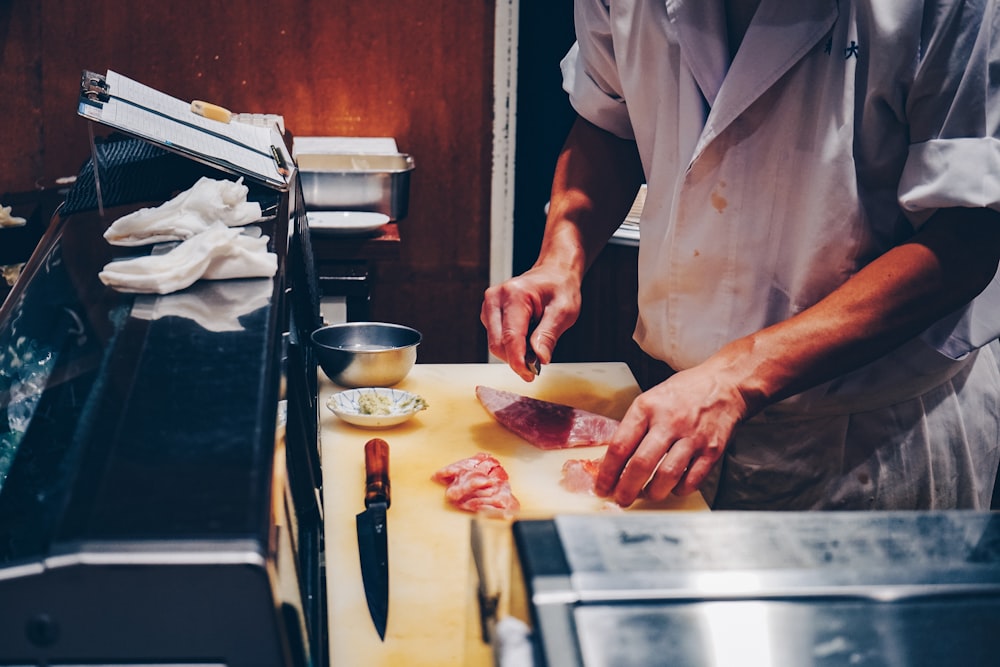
256, 152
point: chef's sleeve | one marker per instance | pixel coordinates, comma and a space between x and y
953, 111
590, 73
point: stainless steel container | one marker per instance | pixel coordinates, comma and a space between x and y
356, 182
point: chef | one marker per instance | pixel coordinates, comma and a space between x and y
819, 246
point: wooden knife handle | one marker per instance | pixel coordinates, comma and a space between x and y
377, 471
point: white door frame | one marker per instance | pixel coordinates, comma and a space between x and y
504, 133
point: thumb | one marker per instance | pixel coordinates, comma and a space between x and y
543, 340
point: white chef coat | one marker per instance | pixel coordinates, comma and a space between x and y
838, 129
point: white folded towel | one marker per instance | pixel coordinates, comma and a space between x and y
218, 253
189, 213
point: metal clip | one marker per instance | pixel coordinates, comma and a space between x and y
94, 87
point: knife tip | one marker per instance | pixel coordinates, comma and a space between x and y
531, 361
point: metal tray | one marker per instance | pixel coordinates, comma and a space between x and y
356, 182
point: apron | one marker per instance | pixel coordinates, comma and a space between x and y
939, 450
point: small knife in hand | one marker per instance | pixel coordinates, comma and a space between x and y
530, 358
531, 361
372, 543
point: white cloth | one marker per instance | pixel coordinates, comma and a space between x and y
189, 213
775, 177
219, 253
8, 220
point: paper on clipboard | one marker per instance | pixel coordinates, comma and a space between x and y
136, 109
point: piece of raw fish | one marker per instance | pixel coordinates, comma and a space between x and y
580, 475
478, 484
544, 424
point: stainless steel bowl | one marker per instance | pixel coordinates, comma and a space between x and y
365, 182
366, 354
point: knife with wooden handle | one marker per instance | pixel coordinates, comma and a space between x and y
372, 539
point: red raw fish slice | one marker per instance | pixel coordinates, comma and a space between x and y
546, 425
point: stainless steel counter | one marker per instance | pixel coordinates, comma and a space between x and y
764, 589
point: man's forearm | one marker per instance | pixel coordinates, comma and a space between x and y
887, 303
596, 179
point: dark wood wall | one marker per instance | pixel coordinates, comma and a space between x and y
419, 71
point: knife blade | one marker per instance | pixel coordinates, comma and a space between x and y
373, 545
530, 358
531, 361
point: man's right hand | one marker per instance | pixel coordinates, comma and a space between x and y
595, 181
533, 309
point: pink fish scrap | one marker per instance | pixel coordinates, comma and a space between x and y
478, 484
580, 475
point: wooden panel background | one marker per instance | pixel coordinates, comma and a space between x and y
419, 71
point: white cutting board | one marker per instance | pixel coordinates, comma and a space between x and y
432, 610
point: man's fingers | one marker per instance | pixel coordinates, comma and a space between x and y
492, 318
506, 317
624, 442
653, 470
696, 474
672, 468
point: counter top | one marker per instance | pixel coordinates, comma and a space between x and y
433, 619
383, 244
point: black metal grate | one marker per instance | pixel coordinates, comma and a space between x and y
132, 171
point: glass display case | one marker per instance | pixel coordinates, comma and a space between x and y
160, 499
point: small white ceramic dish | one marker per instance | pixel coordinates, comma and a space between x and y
346, 223
355, 406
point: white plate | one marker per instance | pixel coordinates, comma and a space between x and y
346, 222
401, 405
